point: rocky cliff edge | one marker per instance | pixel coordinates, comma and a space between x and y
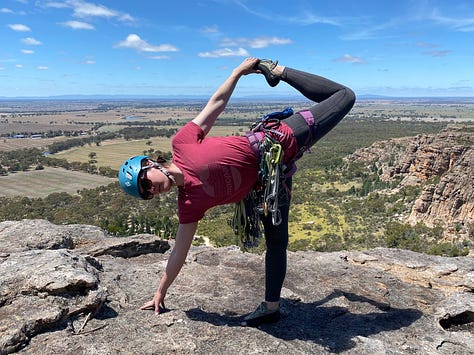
447, 160
72, 289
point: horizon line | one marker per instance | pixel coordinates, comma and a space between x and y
200, 97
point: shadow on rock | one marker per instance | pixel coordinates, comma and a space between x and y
332, 327
106, 312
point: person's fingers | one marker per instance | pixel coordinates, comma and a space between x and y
148, 305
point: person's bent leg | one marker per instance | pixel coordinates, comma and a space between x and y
314, 87
334, 101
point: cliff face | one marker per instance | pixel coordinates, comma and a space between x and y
75, 290
446, 160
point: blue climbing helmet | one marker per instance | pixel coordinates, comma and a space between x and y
129, 173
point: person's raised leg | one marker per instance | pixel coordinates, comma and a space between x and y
333, 102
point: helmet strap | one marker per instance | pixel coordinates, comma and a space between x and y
164, 171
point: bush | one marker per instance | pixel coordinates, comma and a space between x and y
448, 249
402, 236
299, 244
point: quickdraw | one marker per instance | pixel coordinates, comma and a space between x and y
270, 171
263, 199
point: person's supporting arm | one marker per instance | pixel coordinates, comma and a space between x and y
184, 238
218, 101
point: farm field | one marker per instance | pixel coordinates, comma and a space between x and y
10, 144
442, 110
41, 183
112, 153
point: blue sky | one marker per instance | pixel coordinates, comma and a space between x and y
188, 47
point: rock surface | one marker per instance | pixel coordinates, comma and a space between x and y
81, 296
446, 158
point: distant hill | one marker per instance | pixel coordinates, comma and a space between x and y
145, 97
434, 99
273, 96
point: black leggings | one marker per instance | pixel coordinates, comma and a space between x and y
334, 101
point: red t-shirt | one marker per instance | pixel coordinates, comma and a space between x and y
217, 170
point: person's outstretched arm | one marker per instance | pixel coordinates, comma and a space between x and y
218, 101
184, 238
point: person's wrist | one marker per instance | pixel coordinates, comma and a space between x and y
237, 72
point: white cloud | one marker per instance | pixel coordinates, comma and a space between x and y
19, 66
426, 45
78, 25
84, 9
377, 31
18, 27
347, 58
210, 29
27, 51
225, 52
159, 57
57, 5
442, 53
42, 67
134, 41
460, 24
259, 42
126, 18
306, 18
309, 18
4, 10
30, 41
88, 60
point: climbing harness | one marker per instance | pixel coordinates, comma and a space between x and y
263, 198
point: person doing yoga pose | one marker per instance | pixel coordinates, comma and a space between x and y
210, 171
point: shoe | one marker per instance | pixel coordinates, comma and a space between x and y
266, 66
261, 315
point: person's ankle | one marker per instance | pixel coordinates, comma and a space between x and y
272, 306
278, 70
